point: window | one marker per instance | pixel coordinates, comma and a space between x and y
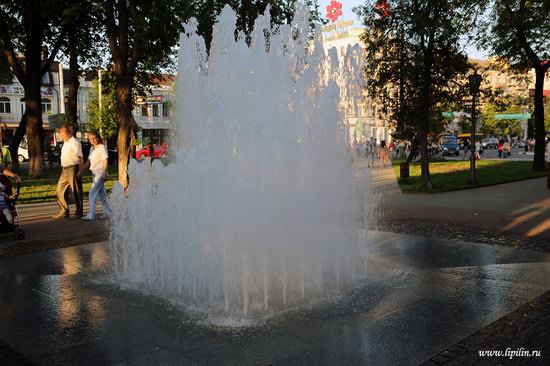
23, 106
5, 106
166, 109
155, 110
46, 106
144, 111
46, 78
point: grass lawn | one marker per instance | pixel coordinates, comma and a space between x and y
454, 174
44, 189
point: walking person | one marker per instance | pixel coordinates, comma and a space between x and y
72, 165
97, 163
499, 149
383, 153
506, 149
466, 149
371, 154
479, 150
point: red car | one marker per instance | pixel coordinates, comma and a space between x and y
158, 151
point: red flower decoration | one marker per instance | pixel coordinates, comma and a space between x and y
543, 62
334, 10
383, 8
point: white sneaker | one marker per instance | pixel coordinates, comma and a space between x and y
86, 218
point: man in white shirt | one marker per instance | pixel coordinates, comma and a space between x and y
72, 163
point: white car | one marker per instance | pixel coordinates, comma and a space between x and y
22, 152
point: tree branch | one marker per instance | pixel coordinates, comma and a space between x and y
10, 52
520, 32
123, 30
136, 47
112, 30
55, 49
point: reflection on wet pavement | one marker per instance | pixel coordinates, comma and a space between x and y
421, 296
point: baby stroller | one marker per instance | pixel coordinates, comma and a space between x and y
11, 199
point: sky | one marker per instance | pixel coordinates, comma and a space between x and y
348, 14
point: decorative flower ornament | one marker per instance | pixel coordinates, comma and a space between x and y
334, 10
383, 8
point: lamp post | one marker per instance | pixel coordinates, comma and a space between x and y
475, 82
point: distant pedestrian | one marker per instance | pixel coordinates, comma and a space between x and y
357, 147
466, 149
499, 148
479, 150
72, 164
506, 149
98, 164
371, 154
383, 153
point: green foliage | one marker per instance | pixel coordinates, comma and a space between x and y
6, 76
519, 32
454, 175
104, 120
414, 60
501, 103
508, 19
281, 11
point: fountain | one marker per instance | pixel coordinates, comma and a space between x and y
259, 211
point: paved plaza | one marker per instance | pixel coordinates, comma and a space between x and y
427, 298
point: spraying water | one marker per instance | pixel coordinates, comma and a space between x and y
259, 210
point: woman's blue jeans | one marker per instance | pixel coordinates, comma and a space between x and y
98, 192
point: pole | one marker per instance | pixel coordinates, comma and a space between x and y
100, 99
473, 142
61, 90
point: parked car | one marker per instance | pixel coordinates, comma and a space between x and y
489, 143
22, 152
158, 151
449, 145
113, 157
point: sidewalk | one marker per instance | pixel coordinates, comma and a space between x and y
519, 208
42, 232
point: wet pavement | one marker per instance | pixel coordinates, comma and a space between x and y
421, 297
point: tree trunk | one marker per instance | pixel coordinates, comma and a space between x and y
424, 159
74, 70
16, 140
125, 129
34, 130
540, 133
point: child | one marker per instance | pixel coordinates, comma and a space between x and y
4, 208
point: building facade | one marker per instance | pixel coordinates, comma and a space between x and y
363, 122
152, 113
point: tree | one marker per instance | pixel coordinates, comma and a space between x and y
281, 11
84, 44
141, 35
519, 33
25, 26
415, 64
498, 102
103, 119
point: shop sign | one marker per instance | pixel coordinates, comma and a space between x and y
513, 116
153, 99
57, 120
19, 90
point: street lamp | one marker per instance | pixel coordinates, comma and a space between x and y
475, 82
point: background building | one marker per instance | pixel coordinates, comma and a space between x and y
364, 122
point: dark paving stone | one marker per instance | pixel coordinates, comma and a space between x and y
421, 297
448, 231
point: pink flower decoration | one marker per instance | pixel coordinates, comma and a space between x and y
383, 8
334, 10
